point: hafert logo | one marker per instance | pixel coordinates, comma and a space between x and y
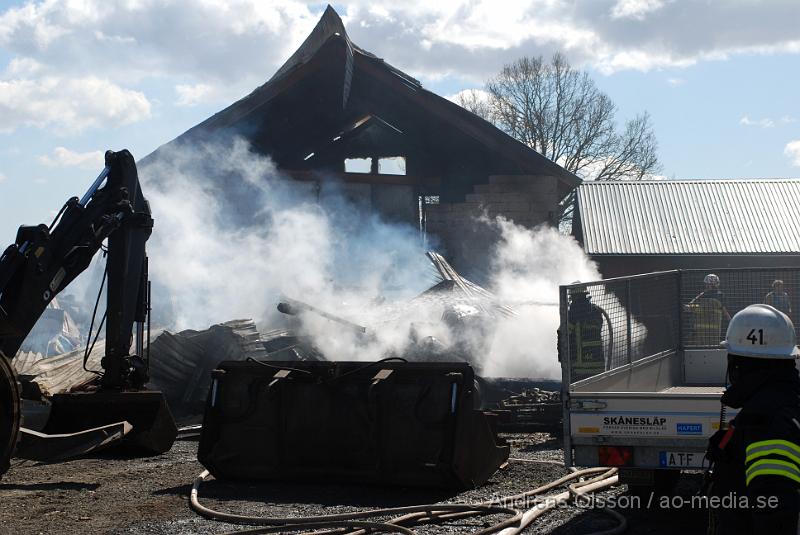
690, 429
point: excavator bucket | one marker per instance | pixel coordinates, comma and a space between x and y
395, 423
146, 411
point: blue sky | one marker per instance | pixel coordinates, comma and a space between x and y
719, 78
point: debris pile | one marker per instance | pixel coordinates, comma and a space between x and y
464, 313
43, 377
286, 345
534, 395
181, 363
468, 291
55, 333
533, 408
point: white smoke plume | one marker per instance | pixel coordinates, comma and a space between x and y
232, 237
528, 267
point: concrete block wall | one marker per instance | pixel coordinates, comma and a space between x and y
527, 200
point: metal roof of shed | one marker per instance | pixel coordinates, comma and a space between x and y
683, 217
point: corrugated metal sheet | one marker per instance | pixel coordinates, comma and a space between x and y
669, 217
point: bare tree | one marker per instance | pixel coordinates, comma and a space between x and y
475, 101
559, 112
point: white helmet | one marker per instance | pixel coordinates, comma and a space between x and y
711, 279
762, 332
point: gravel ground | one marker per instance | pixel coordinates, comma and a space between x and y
150, 496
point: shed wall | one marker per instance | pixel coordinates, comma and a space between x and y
622, 265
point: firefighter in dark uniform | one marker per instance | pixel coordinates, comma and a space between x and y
586, 341
756, 459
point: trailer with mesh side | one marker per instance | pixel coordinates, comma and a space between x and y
643, 369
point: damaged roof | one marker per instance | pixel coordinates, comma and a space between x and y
330, 84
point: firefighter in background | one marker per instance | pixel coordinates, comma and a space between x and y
757, 457
779, 298
708, 308
585, 331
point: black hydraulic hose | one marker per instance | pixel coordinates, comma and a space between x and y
368, 365
90, 347
268, 365
60, 213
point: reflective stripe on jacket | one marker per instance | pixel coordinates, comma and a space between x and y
761, 462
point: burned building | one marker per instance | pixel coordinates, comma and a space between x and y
337, 113
647, 226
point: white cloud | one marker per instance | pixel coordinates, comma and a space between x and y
766, 122
792, 151
635, 9
192, 95
69, 104
479, 94
23, 68
639, 60
674, 82
473, 39
217, 50
2, 178
788, 119
63, 157
223, 40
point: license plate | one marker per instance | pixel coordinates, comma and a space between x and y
681, 459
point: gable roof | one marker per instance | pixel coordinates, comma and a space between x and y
689, 217
329, 47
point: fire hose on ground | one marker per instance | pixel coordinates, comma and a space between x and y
358, 523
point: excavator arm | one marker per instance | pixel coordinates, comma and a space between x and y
44, 260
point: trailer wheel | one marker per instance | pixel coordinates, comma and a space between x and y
10, 412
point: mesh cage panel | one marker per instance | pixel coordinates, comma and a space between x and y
655, 315
707, 307
612, 323
608, 324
